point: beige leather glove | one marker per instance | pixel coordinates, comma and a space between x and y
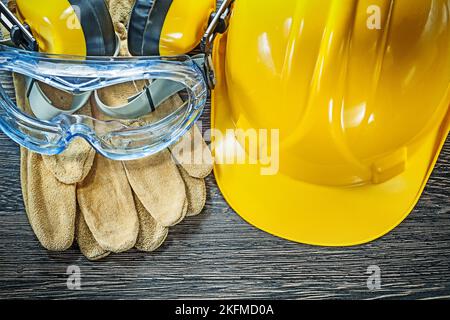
154, 191
110, 206
164, 188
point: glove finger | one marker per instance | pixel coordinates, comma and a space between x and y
158, 184
155, 180
89, 247
19, 85
192, 153
151, 234
50, 204
106, 201
195, 192
23, 175
74, 164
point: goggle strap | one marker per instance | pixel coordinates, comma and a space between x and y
149, 99
42, 106
145, 102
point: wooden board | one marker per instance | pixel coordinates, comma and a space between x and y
217, 255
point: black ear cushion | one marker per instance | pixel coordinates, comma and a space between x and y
145, 26
97, 26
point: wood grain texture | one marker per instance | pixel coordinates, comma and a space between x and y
217, 255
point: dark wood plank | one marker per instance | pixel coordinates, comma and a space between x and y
217, 255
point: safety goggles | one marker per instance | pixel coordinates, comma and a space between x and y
76, 96
126, 131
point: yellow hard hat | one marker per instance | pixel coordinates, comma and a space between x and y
359, 91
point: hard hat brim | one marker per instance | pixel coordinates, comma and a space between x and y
314, 214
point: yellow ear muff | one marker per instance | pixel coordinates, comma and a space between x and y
167, 27
75, 27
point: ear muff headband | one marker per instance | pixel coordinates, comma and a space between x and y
146, 23
97, 26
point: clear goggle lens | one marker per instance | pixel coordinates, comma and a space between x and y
126, 108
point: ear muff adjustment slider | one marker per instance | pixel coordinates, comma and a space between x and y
20, 33
218, 25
